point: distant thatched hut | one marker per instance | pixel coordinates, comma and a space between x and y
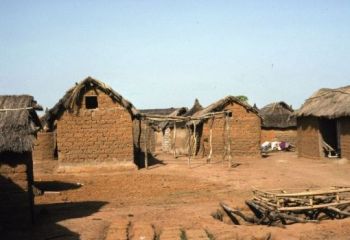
279, 123
93, 125
245, 128
324, 123
18, 126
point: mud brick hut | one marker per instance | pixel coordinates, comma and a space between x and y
324, 124
93, 125
245, 129
19, 124
279, 123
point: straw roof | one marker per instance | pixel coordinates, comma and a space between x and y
18, 123
326, 102
72, 100
278, 115
178, 112
158, 111
221, 104
195, 108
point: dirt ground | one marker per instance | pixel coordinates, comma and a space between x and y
171, 200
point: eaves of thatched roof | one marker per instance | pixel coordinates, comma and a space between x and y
158, 111
328, 103
278, 115
18, 123
178, 112
222, 103
72, 99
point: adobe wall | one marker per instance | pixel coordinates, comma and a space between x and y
286, 135
44, 147
16, 198
345, 137
308, 136
94, 136
245, 133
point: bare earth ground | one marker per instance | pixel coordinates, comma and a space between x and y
170, 198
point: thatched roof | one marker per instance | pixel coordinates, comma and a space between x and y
72, 100
178, 112
326, 102
18, 123
278, 115
195, 108
221, 104
158, 111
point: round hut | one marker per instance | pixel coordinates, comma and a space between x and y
279, 123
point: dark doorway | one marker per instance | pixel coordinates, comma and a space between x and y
330, 136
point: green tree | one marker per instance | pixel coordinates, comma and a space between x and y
242, 98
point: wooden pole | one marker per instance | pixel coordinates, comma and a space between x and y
228, 135
224, 136
146, 149
195, 140
174, 140
189, 146
210, 140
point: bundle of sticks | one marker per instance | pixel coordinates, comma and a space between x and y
280, 207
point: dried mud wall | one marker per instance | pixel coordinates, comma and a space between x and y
345, 137
101, 135
286, 135
245, 133
308, 136
44, 147
16, 198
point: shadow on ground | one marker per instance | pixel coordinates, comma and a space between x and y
56, 185
48, 216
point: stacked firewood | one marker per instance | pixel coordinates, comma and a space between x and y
280, 207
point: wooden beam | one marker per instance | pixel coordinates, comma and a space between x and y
145, 142
210, 140
174, 139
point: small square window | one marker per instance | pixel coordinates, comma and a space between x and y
91, 102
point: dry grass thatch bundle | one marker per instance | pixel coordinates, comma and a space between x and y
221, 104
195, 108
72, 100
329, 103
278, 115
18, 123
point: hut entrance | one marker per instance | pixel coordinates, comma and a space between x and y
330, 137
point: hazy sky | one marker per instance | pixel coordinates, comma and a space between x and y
166, 53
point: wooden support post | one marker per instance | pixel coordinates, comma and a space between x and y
210, 140
195, 140
189, 146
174, 139
146, 147
225, 141
228, 142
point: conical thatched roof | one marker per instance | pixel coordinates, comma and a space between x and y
71, 101
195, 108
18, 123
326, 102
221, 104
278, 115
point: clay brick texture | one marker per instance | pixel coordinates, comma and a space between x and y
16, 179
245, 133
345, 137
308, 137
104, 134
286, 135
44, 147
